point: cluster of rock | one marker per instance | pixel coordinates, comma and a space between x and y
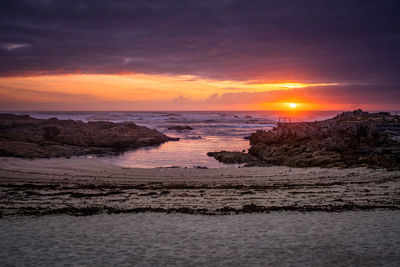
233, 157
23, 136
351, 139
180, 128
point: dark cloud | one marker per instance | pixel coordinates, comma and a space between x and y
308, 41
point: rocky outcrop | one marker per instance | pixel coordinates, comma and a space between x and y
23, 136
180, 128
233, 157
351, 139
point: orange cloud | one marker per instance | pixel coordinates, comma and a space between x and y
125, 87
182, 92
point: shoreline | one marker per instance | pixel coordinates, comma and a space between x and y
351, 139
83, 186
23, 136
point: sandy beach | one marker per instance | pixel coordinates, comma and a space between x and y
351, 238
85, 186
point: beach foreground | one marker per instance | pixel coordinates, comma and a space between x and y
368, 238
84, 186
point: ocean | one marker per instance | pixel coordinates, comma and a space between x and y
212, 131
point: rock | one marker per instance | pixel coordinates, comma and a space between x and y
180, 128
350, 139
194, 137
51, 132
23, 136
232, 157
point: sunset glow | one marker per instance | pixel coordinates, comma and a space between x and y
167, 92
148, 56
143, 90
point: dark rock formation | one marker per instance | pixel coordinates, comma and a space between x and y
193, 137
232, 157
350, 139
23, 136
180, 128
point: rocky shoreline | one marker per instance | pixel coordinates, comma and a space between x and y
351, 139
27, 137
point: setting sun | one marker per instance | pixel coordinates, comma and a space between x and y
292, 105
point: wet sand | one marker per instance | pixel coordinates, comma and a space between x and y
83, 186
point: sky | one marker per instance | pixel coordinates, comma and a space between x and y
199, 55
